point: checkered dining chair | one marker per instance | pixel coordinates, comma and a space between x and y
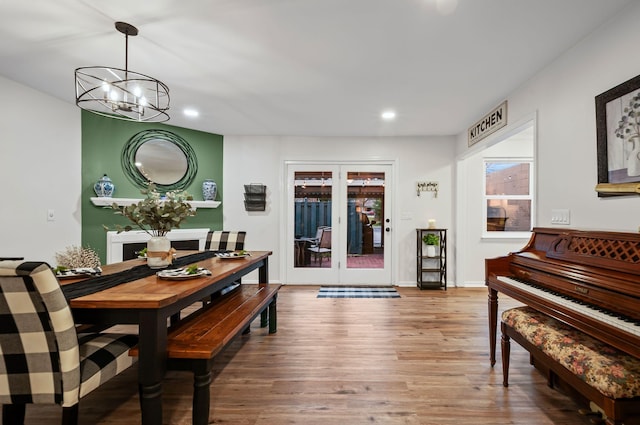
43, 360
222, 240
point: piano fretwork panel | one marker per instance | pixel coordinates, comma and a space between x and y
590, 280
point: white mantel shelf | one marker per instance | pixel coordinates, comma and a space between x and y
106, 202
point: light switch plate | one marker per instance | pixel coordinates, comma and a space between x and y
560, 217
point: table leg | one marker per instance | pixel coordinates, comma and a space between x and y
263, 272
151, 365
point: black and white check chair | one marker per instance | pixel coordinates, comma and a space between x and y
222, 240
43, 360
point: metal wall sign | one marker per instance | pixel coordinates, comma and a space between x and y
490, 123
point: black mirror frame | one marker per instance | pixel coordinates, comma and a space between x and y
132, 172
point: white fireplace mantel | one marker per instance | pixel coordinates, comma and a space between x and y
115, 240
123, 202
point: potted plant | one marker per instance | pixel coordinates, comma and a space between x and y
431, 240
156, 215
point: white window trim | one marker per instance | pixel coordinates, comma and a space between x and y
503, 234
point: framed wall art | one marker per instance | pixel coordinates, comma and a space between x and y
618, 139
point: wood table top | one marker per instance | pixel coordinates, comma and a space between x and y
152, 292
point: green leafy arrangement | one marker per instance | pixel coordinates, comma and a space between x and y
192, 269
431, 239
155, 214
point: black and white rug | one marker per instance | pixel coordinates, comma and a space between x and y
357, 292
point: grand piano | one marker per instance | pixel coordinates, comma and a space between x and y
587, 279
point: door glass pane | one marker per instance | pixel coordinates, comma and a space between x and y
312, 204
365, 215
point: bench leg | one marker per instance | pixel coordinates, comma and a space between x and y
273, 315
201, 392
506, 352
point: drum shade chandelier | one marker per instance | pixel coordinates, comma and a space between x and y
120, 93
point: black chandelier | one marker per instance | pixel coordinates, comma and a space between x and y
120, 93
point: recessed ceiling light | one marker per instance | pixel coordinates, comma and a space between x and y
388, 115
191, 112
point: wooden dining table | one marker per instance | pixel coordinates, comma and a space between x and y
149, 302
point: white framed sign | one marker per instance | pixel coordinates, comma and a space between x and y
490, 123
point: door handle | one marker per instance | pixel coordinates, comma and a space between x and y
387, 229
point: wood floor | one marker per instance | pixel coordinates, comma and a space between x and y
419, 359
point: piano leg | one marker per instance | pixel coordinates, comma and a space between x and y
493, 324
506, 353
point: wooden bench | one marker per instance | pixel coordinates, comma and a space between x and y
193, 342
605, 376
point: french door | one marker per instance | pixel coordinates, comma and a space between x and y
339, 223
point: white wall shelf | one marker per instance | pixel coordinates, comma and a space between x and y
106, 202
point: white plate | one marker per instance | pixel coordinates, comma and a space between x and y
181, 274
79, 272
231, 255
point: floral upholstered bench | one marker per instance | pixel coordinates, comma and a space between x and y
607, 377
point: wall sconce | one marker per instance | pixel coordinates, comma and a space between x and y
427, 187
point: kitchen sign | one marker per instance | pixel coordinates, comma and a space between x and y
489, 124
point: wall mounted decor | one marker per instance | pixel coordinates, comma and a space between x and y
618, 139
427, 187
255, 195
161, 157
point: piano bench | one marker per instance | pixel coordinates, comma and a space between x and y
607, 377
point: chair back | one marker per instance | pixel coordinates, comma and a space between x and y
220, 240
325, 239
39, 354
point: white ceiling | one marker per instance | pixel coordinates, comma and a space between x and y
304, 67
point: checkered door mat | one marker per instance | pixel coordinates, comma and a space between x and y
357, 292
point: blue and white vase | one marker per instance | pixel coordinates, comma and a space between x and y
104, 187
209, 190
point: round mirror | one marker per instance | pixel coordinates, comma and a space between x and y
161, 162
161, 157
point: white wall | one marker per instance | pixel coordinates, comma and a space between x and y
39, 171
261, 160
562, 95
473, 248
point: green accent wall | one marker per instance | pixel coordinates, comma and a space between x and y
102, 142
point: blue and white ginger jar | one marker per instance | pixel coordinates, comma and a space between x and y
209, 190
104, 187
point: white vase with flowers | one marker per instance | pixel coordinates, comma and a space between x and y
157, 215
